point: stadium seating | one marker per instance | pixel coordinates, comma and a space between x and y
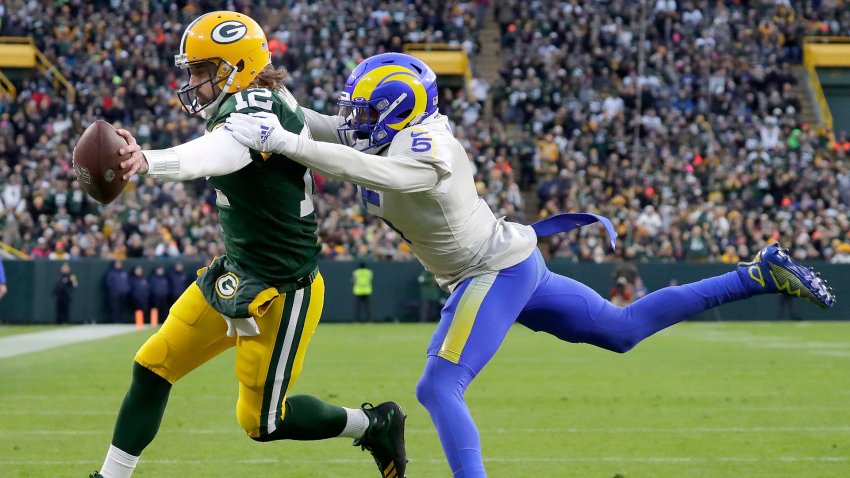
724, 164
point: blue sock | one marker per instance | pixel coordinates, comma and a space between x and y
753, 279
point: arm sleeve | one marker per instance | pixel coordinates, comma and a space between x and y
398, 172
323, 127
2, 274
214, 154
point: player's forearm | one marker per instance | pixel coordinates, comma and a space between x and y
214, 154
375, 172
322, 127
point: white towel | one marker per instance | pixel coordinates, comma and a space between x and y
246, 327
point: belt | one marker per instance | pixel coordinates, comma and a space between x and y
300, 283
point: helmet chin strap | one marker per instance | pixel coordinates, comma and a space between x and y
211, 108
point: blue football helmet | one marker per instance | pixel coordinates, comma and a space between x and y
383, 95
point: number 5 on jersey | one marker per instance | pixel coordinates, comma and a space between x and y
421, 142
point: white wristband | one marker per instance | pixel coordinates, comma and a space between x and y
162, 163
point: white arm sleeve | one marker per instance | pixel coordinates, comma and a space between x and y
323, 127
214, 154
399, 172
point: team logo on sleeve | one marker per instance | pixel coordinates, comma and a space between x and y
229, 31
226, 285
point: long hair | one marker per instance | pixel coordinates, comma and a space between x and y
270, 78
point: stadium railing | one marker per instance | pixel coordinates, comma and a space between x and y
824, 52
448, 61
22, 53
9, 252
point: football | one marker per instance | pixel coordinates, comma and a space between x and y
97, 162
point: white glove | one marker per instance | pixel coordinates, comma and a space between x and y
262, 132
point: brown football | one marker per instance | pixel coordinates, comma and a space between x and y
97, 162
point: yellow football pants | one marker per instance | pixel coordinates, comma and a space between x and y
267, 365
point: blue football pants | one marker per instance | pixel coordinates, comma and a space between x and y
481, 310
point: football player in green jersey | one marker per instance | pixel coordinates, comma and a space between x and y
265, 295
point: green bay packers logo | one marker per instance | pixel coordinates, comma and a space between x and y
229, 31
226, 285
109, 175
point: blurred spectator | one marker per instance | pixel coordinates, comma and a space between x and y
362, 289
59, 253
786, 309
640, 288
622, 294
117, 292
842, 254
63, 291
140, 291
429, 297
160, 292
178, 280
626, 278
41, 250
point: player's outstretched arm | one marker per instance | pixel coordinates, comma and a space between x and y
323, 127
214, 154
263, 132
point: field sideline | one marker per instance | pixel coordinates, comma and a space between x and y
699, 400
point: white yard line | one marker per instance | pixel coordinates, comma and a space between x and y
526, 459
20, 344
748, 339
617, 430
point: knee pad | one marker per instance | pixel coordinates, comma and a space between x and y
442, 378
424, 389
153, 356
192, 334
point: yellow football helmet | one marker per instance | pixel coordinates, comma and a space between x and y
230, 48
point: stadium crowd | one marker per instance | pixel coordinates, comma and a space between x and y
723, 164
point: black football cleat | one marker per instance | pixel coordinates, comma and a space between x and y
384, 438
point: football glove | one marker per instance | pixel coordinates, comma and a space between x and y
262, 132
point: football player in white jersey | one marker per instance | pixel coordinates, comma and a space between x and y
390, 140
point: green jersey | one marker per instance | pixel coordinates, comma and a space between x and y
266, 208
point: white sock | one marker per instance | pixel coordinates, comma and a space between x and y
356, 424
118, 463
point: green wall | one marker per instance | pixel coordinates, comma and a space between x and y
396, 290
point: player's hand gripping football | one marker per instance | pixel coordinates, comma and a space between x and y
136, 163
262, 132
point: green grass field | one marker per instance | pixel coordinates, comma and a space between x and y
700, 400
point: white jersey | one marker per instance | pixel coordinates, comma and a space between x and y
423, 188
